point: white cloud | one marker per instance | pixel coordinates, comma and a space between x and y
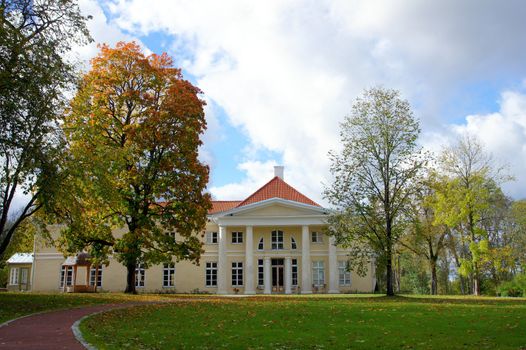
504, 136
285, 72
257, 174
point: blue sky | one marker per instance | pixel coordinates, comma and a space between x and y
280, 75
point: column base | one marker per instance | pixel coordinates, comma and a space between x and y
250, 292
222, 292
333, 292
306, 292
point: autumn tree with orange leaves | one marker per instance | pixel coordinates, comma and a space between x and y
133, 173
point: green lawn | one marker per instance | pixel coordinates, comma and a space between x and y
315, 323
14, 305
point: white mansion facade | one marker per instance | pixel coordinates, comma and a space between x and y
270, 242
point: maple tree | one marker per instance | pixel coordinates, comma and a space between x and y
135, 187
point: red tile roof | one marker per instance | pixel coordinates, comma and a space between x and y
219, 206
275, 188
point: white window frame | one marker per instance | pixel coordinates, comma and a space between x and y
13, 276
169, 275
316, 237
237, 274
24, 275
293, 244
277, 239
261, 273
212, 237
140, 275
318, 273
66, 276
211, 274
261, 244
92, 273
344, 275
294, 272
237, 237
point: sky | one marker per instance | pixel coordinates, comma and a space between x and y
279, 76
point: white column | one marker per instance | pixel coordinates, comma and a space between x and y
288, 275
333, 267
306, 283
222, 268
249, 262
267, 275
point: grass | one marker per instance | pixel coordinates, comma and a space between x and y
13, 305
360, 322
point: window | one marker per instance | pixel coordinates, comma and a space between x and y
211, 238
293, 244
277, 240
260, 244
294, 272
169, 275
318, 274
344, 273
139, 275
317, 237
94, 274
237, 237
13, 278
23, 276
261, 273
211, 274
66, 276
237, 274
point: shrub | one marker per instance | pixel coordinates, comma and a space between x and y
514, 288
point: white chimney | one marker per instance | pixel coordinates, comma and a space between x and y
279, 170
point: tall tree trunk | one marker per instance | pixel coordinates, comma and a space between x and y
389, 261
389, 275
476, 277
476, 280
434, 281
130, 278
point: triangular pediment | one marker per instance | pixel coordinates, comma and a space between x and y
275, 207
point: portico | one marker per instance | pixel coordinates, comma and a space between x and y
276, 249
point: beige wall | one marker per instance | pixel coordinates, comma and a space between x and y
191, 277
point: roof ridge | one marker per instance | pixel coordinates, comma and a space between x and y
281, 194
257, 191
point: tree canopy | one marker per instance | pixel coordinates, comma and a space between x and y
374, 177
133, 131
35, 36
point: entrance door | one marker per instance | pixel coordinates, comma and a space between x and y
277, 275
24, 278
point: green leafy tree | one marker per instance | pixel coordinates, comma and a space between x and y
463, 203
22, 242
375, 177
426, 238
35, 35
134, 130
517, 235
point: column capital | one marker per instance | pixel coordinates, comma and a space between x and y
267, 258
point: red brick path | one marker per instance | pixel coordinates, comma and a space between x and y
50, 330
